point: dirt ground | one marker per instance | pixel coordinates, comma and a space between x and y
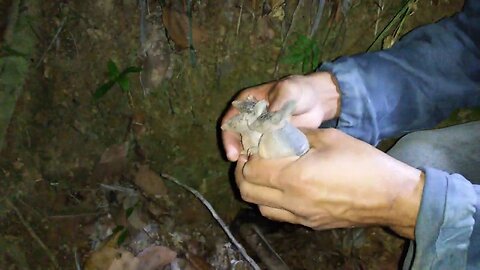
82, 164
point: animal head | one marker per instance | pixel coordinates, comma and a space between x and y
269, 121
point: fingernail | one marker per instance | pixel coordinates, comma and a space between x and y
232, 154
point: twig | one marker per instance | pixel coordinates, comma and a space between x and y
77, 260
404, 18
75, 215
284, 42
269, 247
382, 34
32, 233
215, 215
51, 42
239, 21
318, 17
74, 43
118, 188
380, 5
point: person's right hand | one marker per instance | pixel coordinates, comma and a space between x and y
317, 99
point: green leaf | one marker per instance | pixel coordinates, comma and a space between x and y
131, 70
103, 89
117, 229
124, 83
113, 71
122, 237
9, 51
129, 211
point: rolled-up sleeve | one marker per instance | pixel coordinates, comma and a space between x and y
446, 234
430, 72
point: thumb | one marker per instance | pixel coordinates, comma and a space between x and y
281, 93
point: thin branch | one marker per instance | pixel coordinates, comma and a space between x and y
77, 259
239, 21
32, 233
269, 247
52, 42
125, 190
215, 215
318, 17
380, 7
392, 22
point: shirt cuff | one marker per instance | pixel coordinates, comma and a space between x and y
444, 224
357, 116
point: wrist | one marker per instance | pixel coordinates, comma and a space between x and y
328, 93
406, 203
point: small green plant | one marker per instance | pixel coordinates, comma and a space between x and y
115, 77
7, 51
304, 51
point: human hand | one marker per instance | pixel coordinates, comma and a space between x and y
340, 182
316, 95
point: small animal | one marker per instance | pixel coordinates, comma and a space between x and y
250, 109
279, 137
268, 134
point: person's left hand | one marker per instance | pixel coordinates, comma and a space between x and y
339, 182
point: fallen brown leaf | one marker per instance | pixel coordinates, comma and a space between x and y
149, 182
197, 262
177, 25
155, 257
101, 259
112, 162
125, 261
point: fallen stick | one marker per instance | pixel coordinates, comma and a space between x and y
215, 215
32, 233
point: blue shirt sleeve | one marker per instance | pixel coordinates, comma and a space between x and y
446, 234
430, 72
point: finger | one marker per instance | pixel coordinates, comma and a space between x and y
283, 91
231, 144
259, 92
239, 177
256, 194
231, 140
265, 172
278, 214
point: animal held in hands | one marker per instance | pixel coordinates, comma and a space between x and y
268, 134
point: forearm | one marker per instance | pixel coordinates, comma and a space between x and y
420, 81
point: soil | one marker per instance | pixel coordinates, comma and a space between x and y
62, 144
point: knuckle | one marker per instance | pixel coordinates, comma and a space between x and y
245, 196
245, 193
265, 212
286, 86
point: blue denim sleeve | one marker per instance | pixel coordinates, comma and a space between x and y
430, 72
446, 233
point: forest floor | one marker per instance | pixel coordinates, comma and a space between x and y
118, 94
